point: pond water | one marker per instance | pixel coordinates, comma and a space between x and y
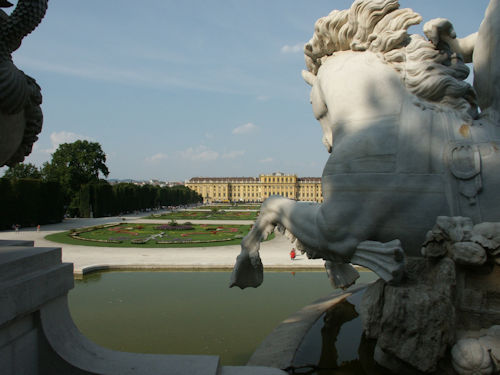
190, 312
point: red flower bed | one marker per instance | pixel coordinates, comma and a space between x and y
122, 230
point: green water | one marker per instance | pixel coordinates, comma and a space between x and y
190, 312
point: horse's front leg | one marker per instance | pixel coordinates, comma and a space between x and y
248, 270
297, 218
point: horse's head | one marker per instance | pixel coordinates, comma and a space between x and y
350, 91
361, 63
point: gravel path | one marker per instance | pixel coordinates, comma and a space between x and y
274, 253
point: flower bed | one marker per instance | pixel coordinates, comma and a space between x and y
174, 227
75, 233
171, 233
218, 214
199, 241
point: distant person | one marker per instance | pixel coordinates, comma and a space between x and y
293, 254
38, 228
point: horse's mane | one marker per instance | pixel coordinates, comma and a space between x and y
435, 75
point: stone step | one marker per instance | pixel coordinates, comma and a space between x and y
26, 292
18, 260
25, 243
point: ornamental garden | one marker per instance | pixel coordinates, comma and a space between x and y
213, 214
234, 206
154, 235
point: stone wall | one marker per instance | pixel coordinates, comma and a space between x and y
38, 336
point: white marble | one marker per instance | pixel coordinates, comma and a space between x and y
406, 141
471, 358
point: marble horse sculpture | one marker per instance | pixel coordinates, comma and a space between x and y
406, 140
20, 96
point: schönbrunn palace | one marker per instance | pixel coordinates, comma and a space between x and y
256, 189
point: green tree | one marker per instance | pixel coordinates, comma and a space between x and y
74, 165
23, 170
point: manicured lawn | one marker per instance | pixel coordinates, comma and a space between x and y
154, 235
207, 215
233, 207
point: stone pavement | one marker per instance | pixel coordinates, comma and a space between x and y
274, 253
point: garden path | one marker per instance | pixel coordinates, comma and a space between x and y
274, 253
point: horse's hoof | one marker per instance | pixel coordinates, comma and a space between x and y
248, 272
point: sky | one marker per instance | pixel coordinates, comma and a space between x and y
174, 89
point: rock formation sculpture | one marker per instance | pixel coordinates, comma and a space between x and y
447, 300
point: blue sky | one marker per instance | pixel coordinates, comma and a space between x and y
177, 89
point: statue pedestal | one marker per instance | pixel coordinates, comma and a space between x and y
439, 306
38, 336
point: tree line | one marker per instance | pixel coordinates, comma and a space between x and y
102, 199
70, 184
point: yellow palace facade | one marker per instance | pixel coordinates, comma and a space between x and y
256, 189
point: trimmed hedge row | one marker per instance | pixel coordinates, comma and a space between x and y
29, 202
104, 199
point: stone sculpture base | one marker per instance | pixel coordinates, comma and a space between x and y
414, 322
443, 317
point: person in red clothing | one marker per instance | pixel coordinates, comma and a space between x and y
292, 254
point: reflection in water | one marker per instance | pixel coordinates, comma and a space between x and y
333, 321
335, 345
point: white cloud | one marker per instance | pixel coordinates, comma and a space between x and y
245, 129
296, 48
200, 153
233, 154
157, 157
58, 138
266, 160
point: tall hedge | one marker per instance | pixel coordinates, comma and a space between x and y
29, 202
85, 201
103, 199
7, 204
